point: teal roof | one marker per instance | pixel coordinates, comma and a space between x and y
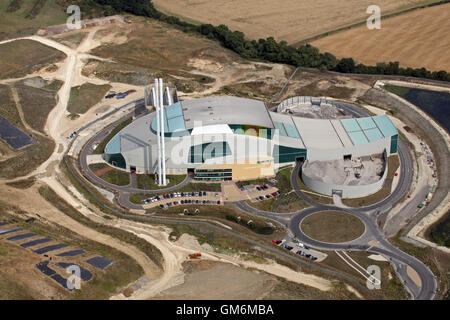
366, 123
350, 125
373, 134
176, 124
174, 110
386, 126
364, 130
173, 119
291, 130
113, 145
279, 126
287, 129
358, 137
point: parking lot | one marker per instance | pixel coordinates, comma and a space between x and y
260, 192
183, 198
301, 249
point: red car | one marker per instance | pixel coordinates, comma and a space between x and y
276, 241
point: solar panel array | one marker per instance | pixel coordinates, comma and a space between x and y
21, 236
35, 242
100, 262
9, 230
50, 248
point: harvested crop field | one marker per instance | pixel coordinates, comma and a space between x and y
288, 20
416, 39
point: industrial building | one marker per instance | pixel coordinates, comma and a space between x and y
231, 138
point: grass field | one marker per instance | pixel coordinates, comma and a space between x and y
24, 161
37, 103
288, 20
8, 108
28, 159
111, 175
435, 259
16, 23
34, 285
72, 39
154, 47
415, 39
22, 57
391, 287
332, 226
83, 97
147, 181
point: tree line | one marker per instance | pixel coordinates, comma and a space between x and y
268, 49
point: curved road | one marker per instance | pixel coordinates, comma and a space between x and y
292, 221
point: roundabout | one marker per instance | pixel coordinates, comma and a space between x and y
332, 226
365, 237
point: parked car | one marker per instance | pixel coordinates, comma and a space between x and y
121, 95
299, 252
276, 241
110, 95
288, 247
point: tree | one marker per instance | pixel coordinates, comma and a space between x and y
346, 65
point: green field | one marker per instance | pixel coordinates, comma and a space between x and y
147, 181
113, 176
83, 97
22, 57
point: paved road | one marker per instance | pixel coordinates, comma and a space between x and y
292, 221
123, 191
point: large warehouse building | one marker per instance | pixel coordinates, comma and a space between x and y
230, 138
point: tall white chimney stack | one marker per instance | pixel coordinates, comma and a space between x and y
163, 154
158, 128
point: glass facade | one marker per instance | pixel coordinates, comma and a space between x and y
116, 160
213, 174
202, 152
394, 144
282, 154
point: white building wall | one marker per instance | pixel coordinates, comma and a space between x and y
356, 151
347, 191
